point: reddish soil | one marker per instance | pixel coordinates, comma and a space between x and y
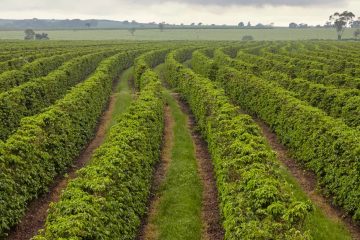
212, 228
308, 182
148, 230
35, 216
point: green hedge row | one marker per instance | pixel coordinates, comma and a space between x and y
35, 69
26, 57
326, 145
256, 202
30, 98
146, 61
108, 198
45, 144
200, 64
339, 103
333, 63
336, 72
309, 70
313, 53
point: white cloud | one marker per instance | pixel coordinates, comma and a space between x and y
281, 12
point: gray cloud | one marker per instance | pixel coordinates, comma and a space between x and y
63, 4
181, 11
256, 2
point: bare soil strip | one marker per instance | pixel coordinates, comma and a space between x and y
35, 216
307, 181
212, 228
148, 230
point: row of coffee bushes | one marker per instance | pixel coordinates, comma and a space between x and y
30, 98
26, 57
198, 60
338, 103
326, 145
255, 200
8, 55
334, 62
148, 61
108, 198
37, 68
335, 72
45, 144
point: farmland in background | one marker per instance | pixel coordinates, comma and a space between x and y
186, 34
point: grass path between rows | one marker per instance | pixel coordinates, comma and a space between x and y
177, 210
123, 95
184, 205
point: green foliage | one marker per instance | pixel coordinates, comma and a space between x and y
30, 98
255, 201
146, 61
178, 214
45, 144
108, 198
325, 145
316, 139
339, 103
205, 68
37, 68
16, 61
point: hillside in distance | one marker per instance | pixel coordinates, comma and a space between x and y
35, 23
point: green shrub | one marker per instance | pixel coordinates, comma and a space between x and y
108, 198
30, 98
255, 200
327, 146
45, 144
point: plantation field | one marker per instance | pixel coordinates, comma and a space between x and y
187, 34
179, 139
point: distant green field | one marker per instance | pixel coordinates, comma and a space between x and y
186, 34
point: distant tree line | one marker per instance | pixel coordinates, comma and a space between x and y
300, 25
258, 26
339, 21
42, 24
32, 35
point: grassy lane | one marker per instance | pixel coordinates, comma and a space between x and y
178, 215
123, 95
175, 211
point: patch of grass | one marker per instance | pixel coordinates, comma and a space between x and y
179, 211
123, 95
280, 33
320, 226
178, 214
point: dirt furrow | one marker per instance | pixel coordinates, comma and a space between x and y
307, 181
35, 216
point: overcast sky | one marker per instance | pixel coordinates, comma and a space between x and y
280, 12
